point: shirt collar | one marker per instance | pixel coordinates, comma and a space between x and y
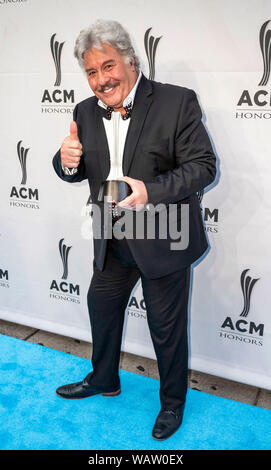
130, 98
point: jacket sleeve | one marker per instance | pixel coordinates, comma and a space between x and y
80, 175
194, 156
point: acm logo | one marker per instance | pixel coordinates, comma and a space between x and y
241, 329
24, 196
4, 278
62, 289
259, 98
6, 2
151, 44
210, 216
136, 308
57, 100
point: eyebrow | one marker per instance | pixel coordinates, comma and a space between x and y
103, 64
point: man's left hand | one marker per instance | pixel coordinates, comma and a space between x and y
139, 197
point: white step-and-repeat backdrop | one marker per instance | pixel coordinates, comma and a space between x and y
220, 49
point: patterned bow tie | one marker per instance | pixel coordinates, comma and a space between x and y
127, 115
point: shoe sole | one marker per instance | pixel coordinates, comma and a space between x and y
111, 394
104, 394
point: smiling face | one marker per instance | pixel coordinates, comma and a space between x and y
109, 76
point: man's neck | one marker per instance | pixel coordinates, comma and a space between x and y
120, 110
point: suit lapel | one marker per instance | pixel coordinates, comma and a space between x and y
143, 100
102, 144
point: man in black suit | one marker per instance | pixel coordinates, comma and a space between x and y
150, 135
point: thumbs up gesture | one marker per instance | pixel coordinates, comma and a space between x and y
71, 148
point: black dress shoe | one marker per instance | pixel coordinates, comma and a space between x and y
84, 389
167, 423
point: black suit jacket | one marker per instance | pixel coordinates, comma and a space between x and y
168, 148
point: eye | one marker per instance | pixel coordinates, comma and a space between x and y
91, 73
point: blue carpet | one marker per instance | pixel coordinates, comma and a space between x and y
34, 417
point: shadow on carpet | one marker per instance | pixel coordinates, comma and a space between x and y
34, 417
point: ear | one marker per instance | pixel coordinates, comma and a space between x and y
132, 63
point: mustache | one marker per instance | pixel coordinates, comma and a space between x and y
107, 85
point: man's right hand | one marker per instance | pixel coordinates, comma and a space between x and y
71, 148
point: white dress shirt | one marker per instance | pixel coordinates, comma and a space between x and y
116, 130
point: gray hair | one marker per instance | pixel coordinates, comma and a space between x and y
109, 32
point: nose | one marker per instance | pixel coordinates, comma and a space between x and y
102, 78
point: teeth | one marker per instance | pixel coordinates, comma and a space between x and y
108, 90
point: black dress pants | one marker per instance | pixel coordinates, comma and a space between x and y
166, 302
